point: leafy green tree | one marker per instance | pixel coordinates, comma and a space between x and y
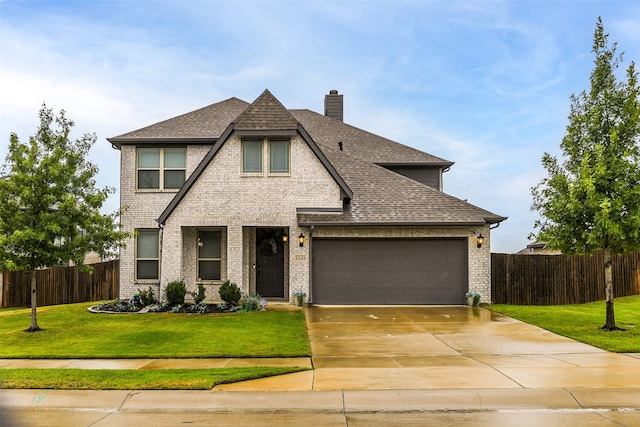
591, 202
50, 209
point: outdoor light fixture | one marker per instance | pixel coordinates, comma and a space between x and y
480, 240
301, 239
285, 238
200, 244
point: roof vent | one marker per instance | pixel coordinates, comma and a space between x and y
333, 105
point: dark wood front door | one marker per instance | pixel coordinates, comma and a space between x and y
270, 262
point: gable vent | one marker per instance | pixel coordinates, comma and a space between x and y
333, 105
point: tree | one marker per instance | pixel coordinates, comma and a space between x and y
591, 202
50, 209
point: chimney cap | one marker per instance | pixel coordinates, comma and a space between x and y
333, 92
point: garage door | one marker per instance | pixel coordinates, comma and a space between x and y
389, 271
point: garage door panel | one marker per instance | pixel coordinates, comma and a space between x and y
389, 271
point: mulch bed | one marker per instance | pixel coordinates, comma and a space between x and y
125, 306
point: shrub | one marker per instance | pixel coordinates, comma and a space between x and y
147, 297
199, 296
230, 293
250, 303
175, 293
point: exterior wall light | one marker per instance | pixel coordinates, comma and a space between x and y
301, 239
480, 240
200, 244
285, 238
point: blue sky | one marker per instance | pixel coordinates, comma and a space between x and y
485, 84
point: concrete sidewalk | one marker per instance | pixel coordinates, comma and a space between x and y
480, 407
147, 364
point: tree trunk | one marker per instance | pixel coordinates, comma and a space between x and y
610, 324
34, 319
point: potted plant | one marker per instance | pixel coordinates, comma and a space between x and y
299, 297
473, 298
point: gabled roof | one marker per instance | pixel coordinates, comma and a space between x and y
265, 113
374, 194
255, 120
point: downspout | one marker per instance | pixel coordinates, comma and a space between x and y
311, 265
497, 224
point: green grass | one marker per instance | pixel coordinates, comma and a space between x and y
583, 322
70, 331
103, 379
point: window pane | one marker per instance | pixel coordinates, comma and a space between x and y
148, 179
279, 156
251, 156
210, 244
147, 269
173, 179
148, 157
174, 158
209, 270
147, 244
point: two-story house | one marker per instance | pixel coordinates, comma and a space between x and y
280, 200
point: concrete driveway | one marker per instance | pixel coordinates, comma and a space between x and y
452, 347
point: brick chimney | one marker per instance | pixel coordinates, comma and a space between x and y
333, 105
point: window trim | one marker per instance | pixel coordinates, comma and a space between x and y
161, 168
136, 258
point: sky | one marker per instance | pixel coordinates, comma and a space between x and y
485, 84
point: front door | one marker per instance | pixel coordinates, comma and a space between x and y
270, 262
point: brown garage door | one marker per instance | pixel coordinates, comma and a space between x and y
389, 271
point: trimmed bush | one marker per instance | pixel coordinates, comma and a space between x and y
199, 296
147, 297
230, 293
175, 293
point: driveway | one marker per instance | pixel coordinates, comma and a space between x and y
452, 347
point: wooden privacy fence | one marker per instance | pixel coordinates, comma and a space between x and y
560, 279
62, 285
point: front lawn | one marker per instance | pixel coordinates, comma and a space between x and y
583, 322
70, 331
127, 379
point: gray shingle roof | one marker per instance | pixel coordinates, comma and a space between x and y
327, 132
205, 124
378, 195
382, 197
265, 113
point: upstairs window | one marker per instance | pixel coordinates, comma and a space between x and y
147, 250
252, 156
278, 156
161, 168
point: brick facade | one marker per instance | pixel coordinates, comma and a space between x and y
224, 198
